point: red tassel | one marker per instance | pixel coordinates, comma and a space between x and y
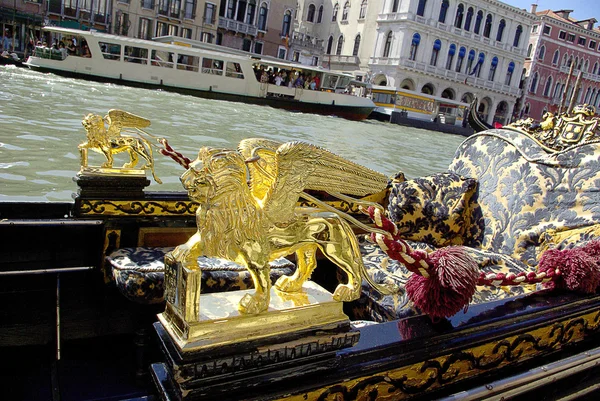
450, 286
578, 267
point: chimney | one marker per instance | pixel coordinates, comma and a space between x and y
533, 8
564, 13
591, 23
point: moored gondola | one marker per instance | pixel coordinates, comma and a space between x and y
131, 294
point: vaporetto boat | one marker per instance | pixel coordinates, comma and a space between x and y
200, 71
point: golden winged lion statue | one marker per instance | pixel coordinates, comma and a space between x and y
248, 213
109, 141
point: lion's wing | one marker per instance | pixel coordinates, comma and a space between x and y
263, 168
303, 166
119, 119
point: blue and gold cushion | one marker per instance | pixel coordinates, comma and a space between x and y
439, 209
139, 273
527, 199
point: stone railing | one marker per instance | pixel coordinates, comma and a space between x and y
237, 26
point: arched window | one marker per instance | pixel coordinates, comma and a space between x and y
241, 11
395, 6
597, 101
251, 10
329, 44
556, 91
595, 70
470, 60
231, 9
493, 66
437, 45
363, 9
586, 66
414, 46
586, 99
262, 17
388, 44
479, 65
518, 33
529, 49
548, 87
534, 82
356, 45
509, 73
461, 56
460, 11
450, 58
287, 20
488, 26
421, 7
443, 11
340, 45
320, 15
478, 20
310, 16
501, 27
468, 19
542, 53
345, 11
336, 8
556, 57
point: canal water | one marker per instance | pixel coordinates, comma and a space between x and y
40, 128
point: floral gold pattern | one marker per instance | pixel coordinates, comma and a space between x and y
422, 377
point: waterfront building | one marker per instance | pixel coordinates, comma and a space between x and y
454, 49
21, 20
337, 34
79, 14
557, 43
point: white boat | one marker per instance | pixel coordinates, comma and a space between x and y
199, 71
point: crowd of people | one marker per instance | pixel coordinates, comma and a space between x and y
288, 78
60, 50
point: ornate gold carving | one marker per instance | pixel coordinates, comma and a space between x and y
254, 222
556, 133
110, 141
136, 208
429, 375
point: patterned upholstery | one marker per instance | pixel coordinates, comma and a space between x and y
526, 201
139, 273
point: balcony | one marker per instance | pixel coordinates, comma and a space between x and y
339, 59
305, 41
391, 17
237, 26
443, 73
170, 14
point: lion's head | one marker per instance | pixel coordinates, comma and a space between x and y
215, 172
94, 127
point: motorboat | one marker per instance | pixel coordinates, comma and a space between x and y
201, 70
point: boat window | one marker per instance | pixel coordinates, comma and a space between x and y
343, 82
385, 98
329, 81
162, 58
212, 66
233, 70
110, 51
136, 55
188, 63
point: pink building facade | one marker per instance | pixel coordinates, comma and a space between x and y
556, 43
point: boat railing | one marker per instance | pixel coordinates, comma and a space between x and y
49, 53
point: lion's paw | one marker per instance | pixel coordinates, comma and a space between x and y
288, 284
253, 304
345, 293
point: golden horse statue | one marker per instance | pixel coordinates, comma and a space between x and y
257, 221
109, 141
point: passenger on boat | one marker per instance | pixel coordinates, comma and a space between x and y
278, 79
71, 47
63, 50
85, 50
299, 83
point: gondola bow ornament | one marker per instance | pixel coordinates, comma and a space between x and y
248, 213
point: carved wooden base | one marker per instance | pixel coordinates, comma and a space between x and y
230, 350
102, 183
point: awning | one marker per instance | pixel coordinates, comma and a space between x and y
9, 14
